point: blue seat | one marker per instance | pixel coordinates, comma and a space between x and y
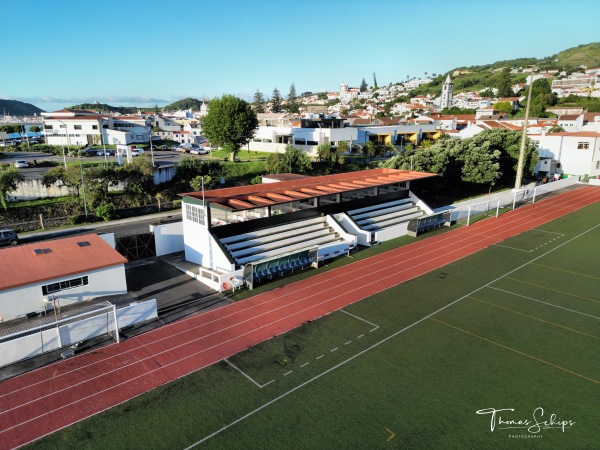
295, 264
272, 271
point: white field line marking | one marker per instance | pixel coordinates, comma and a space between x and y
319, 357
391, 336
360, 318
285, 394
346, 343
358, 337
544, 231
513, 248
543, 302
305, 364
333, 350
287, 373
518, 221
260, 386
268, 382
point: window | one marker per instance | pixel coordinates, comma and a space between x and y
583, 145
94, 127
47, 127
63, 285
194, 213
77, 127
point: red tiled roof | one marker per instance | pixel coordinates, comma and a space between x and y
590, 134
65, 259
253, 196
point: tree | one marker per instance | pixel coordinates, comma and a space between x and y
230, 123
374, 81
70, 178
297, 161
9, 180
556, 129
292, 105
504, 83
504, 107
138, 177
329, 156
35, 129
363, 86
258, 102
276, 101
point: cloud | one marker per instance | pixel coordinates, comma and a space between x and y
5, 97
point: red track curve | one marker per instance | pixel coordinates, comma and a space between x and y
53, 397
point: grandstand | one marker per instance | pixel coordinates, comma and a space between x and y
261, 231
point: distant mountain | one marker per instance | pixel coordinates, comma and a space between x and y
186, 103
17, 108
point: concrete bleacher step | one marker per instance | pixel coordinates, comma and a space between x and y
280, 243
273, 237
288, 249
380, 206
271, 230
392, 222
384, 217
380, 213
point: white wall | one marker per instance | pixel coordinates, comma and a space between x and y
201, 248
19, 301
168, 238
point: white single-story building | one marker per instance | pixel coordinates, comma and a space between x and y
36, 277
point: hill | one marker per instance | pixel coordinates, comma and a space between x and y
488, 75
109, 108
186, 103
17, 108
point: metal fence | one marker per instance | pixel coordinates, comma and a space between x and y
464, 212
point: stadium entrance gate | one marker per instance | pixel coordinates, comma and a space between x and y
136, 245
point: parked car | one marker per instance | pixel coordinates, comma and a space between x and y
182, 149
137, 151
200, 150
21, 164
106, 152
8, 237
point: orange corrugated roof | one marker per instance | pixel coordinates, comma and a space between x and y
21, 266
249, 197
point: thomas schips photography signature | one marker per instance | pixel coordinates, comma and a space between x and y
502, 419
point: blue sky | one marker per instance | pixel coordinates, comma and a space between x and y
145, 52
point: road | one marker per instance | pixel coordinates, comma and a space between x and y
162, 158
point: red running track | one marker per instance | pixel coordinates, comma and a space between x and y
53, 397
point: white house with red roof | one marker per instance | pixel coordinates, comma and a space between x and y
82, 128
36, 276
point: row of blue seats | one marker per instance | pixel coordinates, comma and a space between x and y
262, 275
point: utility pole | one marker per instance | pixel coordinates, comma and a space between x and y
523, 140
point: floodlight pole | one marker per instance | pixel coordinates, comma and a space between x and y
523, 140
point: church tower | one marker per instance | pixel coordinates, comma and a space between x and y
447, 88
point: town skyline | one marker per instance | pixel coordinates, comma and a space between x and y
148, 55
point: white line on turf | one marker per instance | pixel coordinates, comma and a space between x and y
391, 336
513, 248
305, 364
346, 343
333, 350
545, 303
360, 318
287, 373
358, 337
319, 357
260, 386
